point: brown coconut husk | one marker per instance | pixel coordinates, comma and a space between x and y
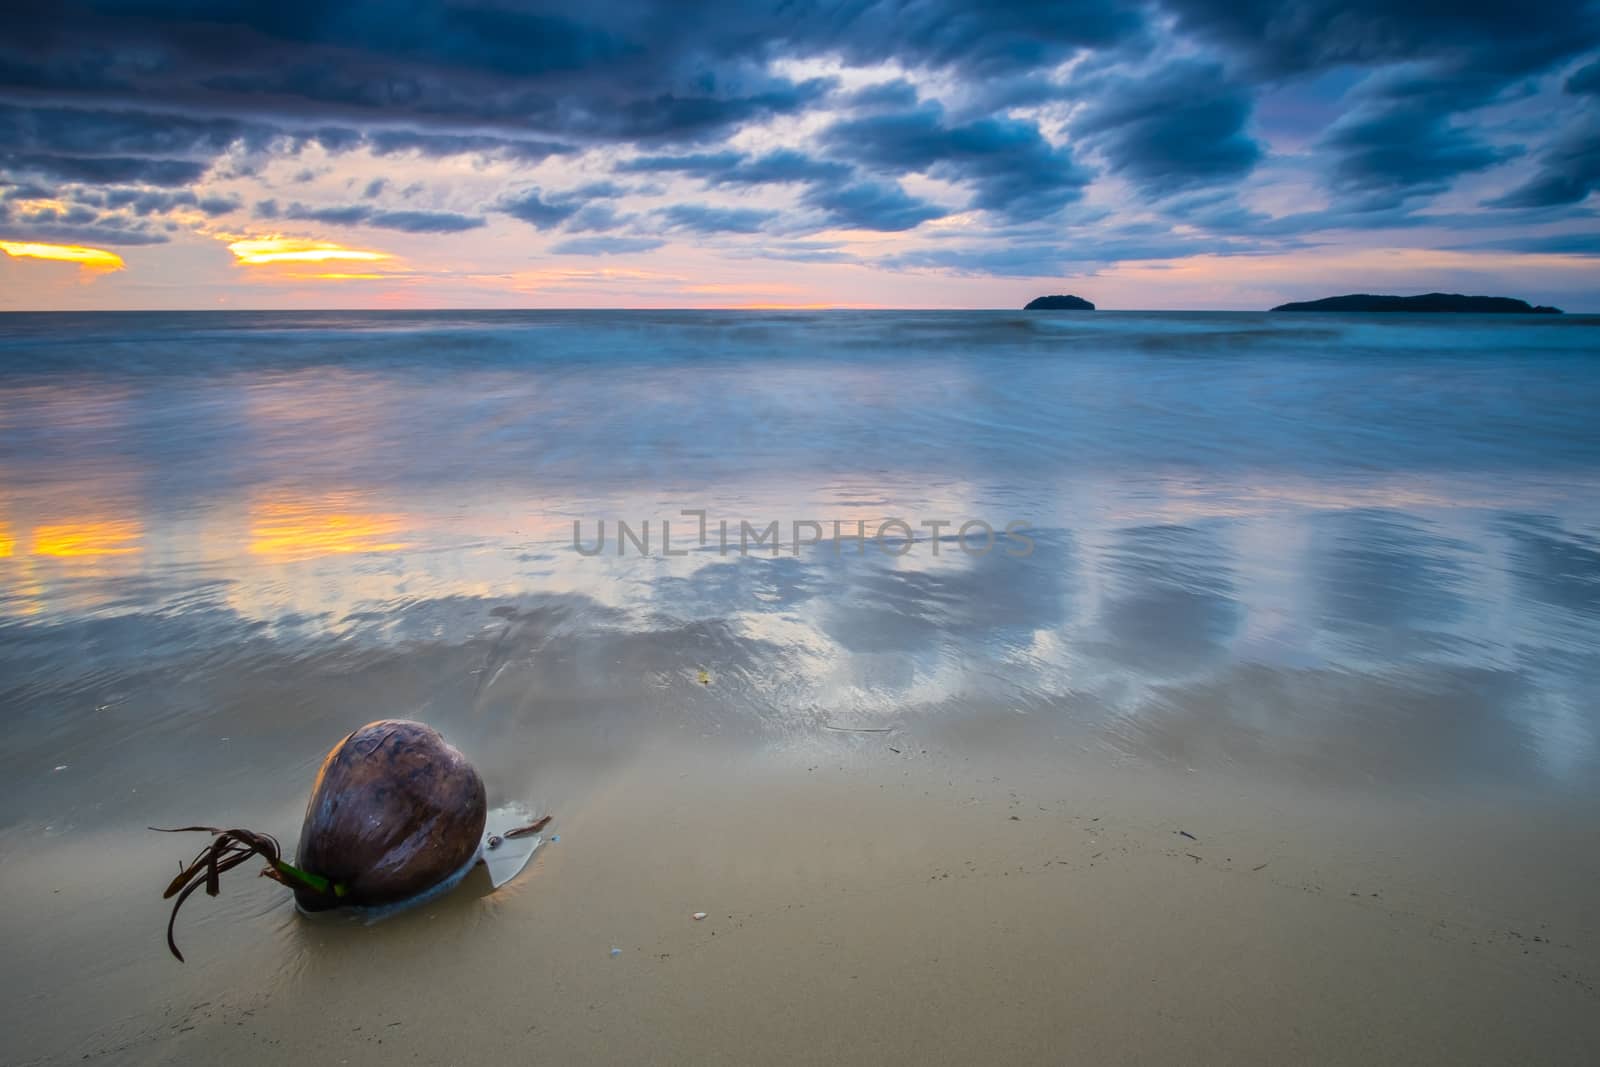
395, 811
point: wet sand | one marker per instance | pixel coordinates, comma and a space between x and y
943, 903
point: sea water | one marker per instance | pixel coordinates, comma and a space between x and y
1348, 547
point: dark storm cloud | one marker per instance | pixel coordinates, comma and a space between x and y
100, 231
897, 95
702, 218
71, 215
1067, 253
366, 215
110, 215
146, 202
698, 163
451, 98
733, 168
881, 206
1011, 168
533, 208
1006, 260
72, 131
803, 252
438, 145
1181, 127
673, 68
104, 146
546, 211
1404, 134
339, 215
657, 72
1278, 38
424, 221
596, 218
605, 246
1586, 81
24, 191
1568, 170
782, 166
105, 170
1391, 151
1558, 244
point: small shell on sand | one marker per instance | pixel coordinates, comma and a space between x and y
699, 915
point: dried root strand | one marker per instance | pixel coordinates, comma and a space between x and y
227, 850
534, 828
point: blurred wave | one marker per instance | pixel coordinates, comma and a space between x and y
1344, 546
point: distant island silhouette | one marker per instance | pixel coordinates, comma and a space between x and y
1428, 302
1060, 302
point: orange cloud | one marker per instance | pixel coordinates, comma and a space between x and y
93, 259
258, 251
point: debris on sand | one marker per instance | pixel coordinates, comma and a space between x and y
397, 816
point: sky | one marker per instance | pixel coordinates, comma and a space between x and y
1227, 154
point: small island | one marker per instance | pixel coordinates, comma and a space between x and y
1058, 303
1428, 302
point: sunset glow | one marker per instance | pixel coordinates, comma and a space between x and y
265, 250
94, 259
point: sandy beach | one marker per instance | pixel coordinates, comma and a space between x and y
937, 904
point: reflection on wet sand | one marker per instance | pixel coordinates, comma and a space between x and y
1171, 607
1384, 580
89, 539
290, 531
1556, 566
1152, 619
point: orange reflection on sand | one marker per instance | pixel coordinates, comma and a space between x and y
8, 543
291, 530
88, 540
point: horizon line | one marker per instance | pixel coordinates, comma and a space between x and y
830, 308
